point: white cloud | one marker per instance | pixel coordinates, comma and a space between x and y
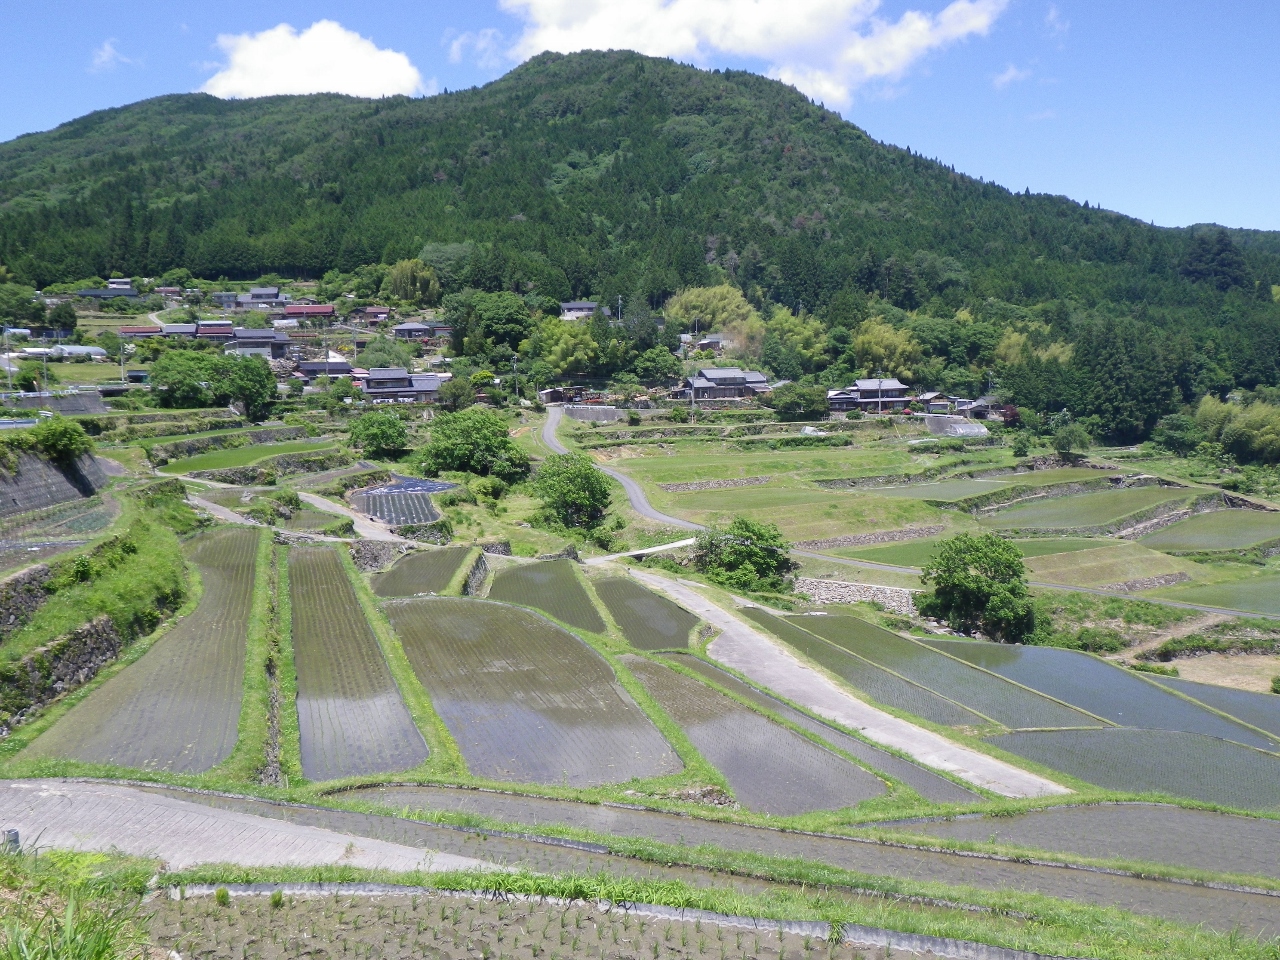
1010, 75
1055, 21
827, 48
483, 44
324, 58
107, 57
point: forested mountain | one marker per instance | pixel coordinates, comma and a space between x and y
611, 174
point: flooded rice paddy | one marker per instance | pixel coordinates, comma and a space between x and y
1218, 530
991, 696
1152, 833
177, 708
407, 500
878, 684
928, 784
552, 586
648, 621
351, 719
1110, 692
1085, 510
1260, 710
770, 769
423, 571
1156, 761
525, 700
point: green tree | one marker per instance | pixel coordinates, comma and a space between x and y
63, 316
61, 439
29, 376
574, 491
413, 281
979, 583
656, 365
384, 352
745, 555
1070, 438
1178, 433
794, 402
456, 393
380, 432
473, 441
254, 386
110, 341
178, 380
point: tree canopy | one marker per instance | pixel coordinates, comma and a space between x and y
573, 489
380, 432
473, 441
745, 555
979, 583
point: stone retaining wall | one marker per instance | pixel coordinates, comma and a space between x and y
21, 595
266, 472
57, 668
476, 577
713, 484
1148, 583
497, 548
895, 599
371, 556
162, 453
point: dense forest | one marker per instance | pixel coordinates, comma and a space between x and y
620, 177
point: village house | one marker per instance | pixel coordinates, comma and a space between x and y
724, 383
396, 383
311, 369
580, 309
411, 330
249, 342
309, 311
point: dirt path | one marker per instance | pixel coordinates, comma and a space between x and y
225, 514
366, 527
106, 816
751, 653
1194, 625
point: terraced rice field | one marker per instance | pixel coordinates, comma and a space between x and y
242, 456
177, 708
1116, 563
1046, 546
878, 684
408, 500
1156, 761
925, 782
424, 571
550, 585
525, 700
1085, 510
648, 621
944, 490
916, 553
1219, 530
769, 768
1256, 594
991, 696
351, 718
1260, 710
1115, 694
307, 520
1153, 833
76, 518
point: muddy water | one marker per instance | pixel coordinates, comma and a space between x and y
551, 586
769, 768
1198, 839
926, 783
177, 708
351, 718
648, 621
1216, 909
424, 571
525, 700
1261, 710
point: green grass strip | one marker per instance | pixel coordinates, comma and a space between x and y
286, 672
245, 762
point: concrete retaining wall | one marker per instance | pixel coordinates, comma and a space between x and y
36, 483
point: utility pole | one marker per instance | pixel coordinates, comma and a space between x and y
515, 377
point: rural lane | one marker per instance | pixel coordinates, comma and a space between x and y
79, 815
752, 654
366, 527
639, 502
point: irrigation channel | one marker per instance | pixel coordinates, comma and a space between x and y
523, 845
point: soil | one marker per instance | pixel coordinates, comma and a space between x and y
449, 927
1151, 641
1243, 672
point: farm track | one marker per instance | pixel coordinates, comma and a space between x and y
351, 718
1257, 914
648, 620
769, 768
178, 707
524, 699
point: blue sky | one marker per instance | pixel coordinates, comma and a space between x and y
1161, 110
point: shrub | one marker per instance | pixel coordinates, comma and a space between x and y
575, 492
473, 441
61, 439
746, 555
979, 582
678, 415
1154, 668
1275, 684
380, 432
1021, 445
222, 897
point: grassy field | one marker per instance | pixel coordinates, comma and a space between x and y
242, 456
1219, 530
351, 719
1084, 510
525, 700
1115, 563
177, 708
1257, 594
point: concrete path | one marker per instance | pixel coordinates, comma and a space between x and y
643, 553
751, 653
639, 502
366, 527
224, 514
105, 816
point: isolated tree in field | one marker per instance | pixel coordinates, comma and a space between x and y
575, 492
61, 439
380, 432
1070, 438
979, 583
745, 555
473, 441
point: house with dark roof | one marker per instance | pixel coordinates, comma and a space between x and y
843, 400
370, 314
725, 383
309, 311
411, 330
215, 330
881, 395
396, 383
310, 369
580, 309
108, 293
178, 329
226, 299
249, 342
139, 332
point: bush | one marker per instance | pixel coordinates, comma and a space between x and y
1275, 684
61, 439
488, 488
979, 583
473, 441
1021, 445
746, 555
574, 491
1070, 438
794, 402
380, 432
678, 415
633, 418
1154, 668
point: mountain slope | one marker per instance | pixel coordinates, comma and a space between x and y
592, 174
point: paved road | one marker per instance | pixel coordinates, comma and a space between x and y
750, 652
639, 502
106, 816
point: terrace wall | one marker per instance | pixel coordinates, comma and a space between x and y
21, 595
57, 668
162, 453
266, 472
476, 578
36, 483
894, 599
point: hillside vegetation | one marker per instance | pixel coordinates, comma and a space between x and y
612, 175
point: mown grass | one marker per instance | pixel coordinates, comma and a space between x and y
1084, 510
242, 456
1256, 594
1117, 562
286, 671
1219, 530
